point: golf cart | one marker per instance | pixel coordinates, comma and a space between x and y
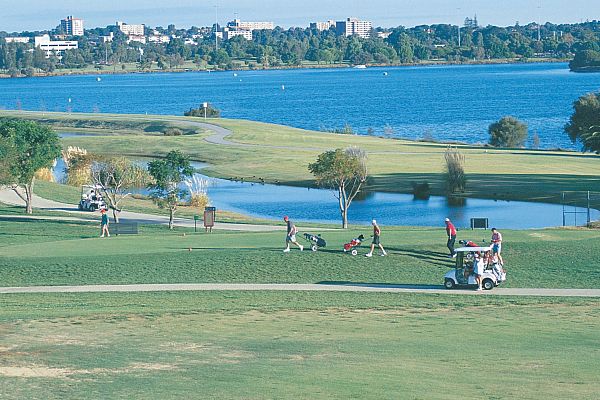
91, 199
493, 275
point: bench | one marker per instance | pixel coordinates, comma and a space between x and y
126, 228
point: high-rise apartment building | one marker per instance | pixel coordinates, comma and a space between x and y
354, 26
72, 26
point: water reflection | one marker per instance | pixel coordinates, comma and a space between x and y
318, 205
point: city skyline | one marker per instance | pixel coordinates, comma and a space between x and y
29, 15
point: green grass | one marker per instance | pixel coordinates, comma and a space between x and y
297, 345
394, 165
67, 253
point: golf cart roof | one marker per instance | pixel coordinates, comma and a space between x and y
471, 249
91, 186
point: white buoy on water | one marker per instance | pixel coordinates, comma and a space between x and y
282, 87
98, 79
234, 74
385, 74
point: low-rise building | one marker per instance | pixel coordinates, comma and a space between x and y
354, 26
228, 34
131, 30
159, 39
54, 46
236, 24
72, 26
17, 39
323, 26
136, 38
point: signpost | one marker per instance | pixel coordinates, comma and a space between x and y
196, 218
209, 218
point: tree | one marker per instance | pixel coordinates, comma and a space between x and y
584, 124
30, 146
168, 174
344, 172
508, 132
116, 176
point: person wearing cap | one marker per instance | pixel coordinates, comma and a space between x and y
451, 232
291, 235
497, 245
376, 240
104, 224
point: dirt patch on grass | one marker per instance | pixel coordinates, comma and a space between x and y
35, 372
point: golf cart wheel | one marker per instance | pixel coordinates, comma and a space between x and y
449, 284
488, 284
314, 247
354, 252
92, 208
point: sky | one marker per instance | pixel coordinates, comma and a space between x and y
42, 14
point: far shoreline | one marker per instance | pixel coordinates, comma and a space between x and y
80, 72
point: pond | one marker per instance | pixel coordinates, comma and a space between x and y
318, 205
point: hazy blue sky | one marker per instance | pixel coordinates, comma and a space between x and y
44, 14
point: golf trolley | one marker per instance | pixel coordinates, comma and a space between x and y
353, 245
315, 241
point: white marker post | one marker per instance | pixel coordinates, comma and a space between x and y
205, 106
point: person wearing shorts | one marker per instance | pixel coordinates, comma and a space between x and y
104, 224
291, 235
479, 266
497, 245
376, 240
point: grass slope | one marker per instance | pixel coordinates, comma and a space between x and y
282, 154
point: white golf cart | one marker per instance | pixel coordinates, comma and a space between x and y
91, 199
462, 274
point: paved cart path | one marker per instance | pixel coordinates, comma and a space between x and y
328, 287
8, 196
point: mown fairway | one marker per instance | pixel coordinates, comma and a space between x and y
297, 345
282, 154
70, 253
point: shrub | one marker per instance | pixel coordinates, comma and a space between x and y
421, 191
211, 112
173, 132
456, 179
508, 132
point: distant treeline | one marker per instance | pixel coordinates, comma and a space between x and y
295, 46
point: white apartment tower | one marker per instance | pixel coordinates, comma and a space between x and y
72, 26
354, 26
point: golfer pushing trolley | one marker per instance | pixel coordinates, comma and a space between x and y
291, 235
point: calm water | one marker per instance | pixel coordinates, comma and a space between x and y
444, 102
314, 205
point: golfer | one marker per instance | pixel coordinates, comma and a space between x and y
376, 240
451, 232
478, 269
104, 224
291, 235
497, 245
